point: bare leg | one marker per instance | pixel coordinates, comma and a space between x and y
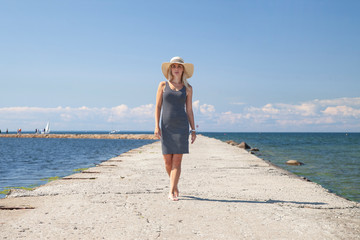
168, 162
168, 158
175, 174
173, 168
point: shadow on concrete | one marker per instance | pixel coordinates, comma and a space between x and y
246, 201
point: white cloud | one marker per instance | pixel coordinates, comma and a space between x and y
144, 110
144, 113
343, 111
118, 112
303, 109
207, 109
355, 102
196, 105
270, 109
292, 117
230, 117
325, 115
75, 117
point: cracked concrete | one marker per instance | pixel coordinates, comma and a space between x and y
226, 193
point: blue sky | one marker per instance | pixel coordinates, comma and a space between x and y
259, 65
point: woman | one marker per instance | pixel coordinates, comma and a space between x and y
174, 97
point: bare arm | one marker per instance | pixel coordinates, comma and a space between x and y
190, 113
158, 105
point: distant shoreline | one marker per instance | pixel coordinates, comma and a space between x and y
82, 136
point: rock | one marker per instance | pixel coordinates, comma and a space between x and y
14, 192
244, 145
306, 179
254, 149
294, 163
232, 143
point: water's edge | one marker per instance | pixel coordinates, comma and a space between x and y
317, 170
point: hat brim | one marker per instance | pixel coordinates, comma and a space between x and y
188, 69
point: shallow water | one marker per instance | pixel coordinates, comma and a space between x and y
24, 162
331, 159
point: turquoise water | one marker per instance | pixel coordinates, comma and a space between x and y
27, 162
331, 159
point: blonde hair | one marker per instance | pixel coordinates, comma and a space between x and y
183, 77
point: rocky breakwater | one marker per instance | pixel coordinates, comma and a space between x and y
245, 146
85, 136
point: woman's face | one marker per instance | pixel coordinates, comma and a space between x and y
177, 69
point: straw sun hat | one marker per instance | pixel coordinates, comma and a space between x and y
188, 67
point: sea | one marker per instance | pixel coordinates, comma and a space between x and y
30, 162
330, 159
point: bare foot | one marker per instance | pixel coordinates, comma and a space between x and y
172, 197
176, 192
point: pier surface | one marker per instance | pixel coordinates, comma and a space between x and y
225, 193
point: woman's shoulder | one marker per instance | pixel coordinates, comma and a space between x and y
162, 83
190, 88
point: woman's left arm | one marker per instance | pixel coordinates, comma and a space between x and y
190, 113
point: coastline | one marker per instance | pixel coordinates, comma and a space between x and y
125, 197
81, 136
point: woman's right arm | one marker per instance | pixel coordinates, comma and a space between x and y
158, 105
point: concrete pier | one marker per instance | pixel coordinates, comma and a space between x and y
225, 193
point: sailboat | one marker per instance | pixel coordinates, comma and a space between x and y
46, 129
114, 131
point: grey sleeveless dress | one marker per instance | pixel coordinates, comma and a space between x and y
174, 122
